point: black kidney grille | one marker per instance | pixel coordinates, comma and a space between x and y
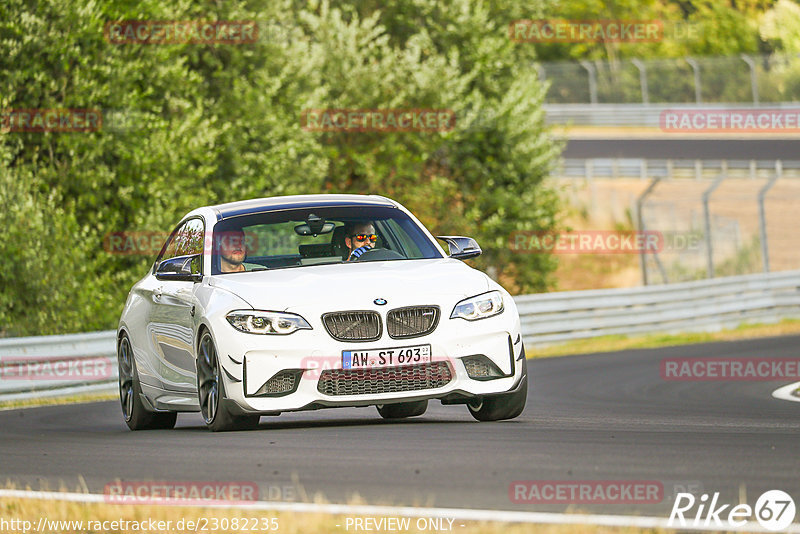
353, 325
413, 321
337, 382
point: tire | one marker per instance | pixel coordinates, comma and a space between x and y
136, 415
402, 409
506, 406
211, 392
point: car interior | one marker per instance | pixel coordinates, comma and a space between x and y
333, 250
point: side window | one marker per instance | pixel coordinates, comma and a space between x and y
187, 240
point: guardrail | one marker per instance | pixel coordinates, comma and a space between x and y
547, 318
672, 169
704, 305
54, 365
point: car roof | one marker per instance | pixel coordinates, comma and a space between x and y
260, 205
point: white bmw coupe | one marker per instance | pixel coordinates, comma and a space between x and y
304, 302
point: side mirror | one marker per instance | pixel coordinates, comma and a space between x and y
461, 248
179, 268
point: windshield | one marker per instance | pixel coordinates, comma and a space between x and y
319, 235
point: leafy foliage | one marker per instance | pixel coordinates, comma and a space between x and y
196, 124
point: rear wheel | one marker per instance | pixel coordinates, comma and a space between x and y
402, 409
211, 392
499, 407
136, 415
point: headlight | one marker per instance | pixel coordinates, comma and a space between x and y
266, 322
479, 306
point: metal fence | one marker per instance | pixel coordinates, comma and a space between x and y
743, 79
720, 217
546, 318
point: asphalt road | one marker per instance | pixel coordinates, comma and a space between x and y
759, 149
589, 417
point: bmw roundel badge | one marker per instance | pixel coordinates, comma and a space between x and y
379, 301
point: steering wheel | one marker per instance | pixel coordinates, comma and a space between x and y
380, 254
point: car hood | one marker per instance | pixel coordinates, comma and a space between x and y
356, 285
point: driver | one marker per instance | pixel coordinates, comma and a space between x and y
360, 238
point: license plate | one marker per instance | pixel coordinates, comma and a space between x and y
364, 359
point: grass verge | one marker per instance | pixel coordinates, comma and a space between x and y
167, 519
620, 342
53, 401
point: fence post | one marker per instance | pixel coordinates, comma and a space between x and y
642, 80
540, 72
640, 222
753, 80
698, 93
592, 80
762, 215
707, 217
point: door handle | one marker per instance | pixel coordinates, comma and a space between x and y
157, 293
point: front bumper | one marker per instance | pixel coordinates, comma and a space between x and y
253, 362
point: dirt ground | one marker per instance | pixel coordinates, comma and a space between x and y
675, 208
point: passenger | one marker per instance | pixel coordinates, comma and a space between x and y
232, 251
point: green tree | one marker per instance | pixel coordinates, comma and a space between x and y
195, 124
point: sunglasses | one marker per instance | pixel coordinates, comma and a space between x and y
364, 237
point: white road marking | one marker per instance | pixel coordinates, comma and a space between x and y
785, 392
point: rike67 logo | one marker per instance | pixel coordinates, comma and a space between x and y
774, 510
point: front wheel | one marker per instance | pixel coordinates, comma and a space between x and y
499, 407
211, 392
402, 409
136, 415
